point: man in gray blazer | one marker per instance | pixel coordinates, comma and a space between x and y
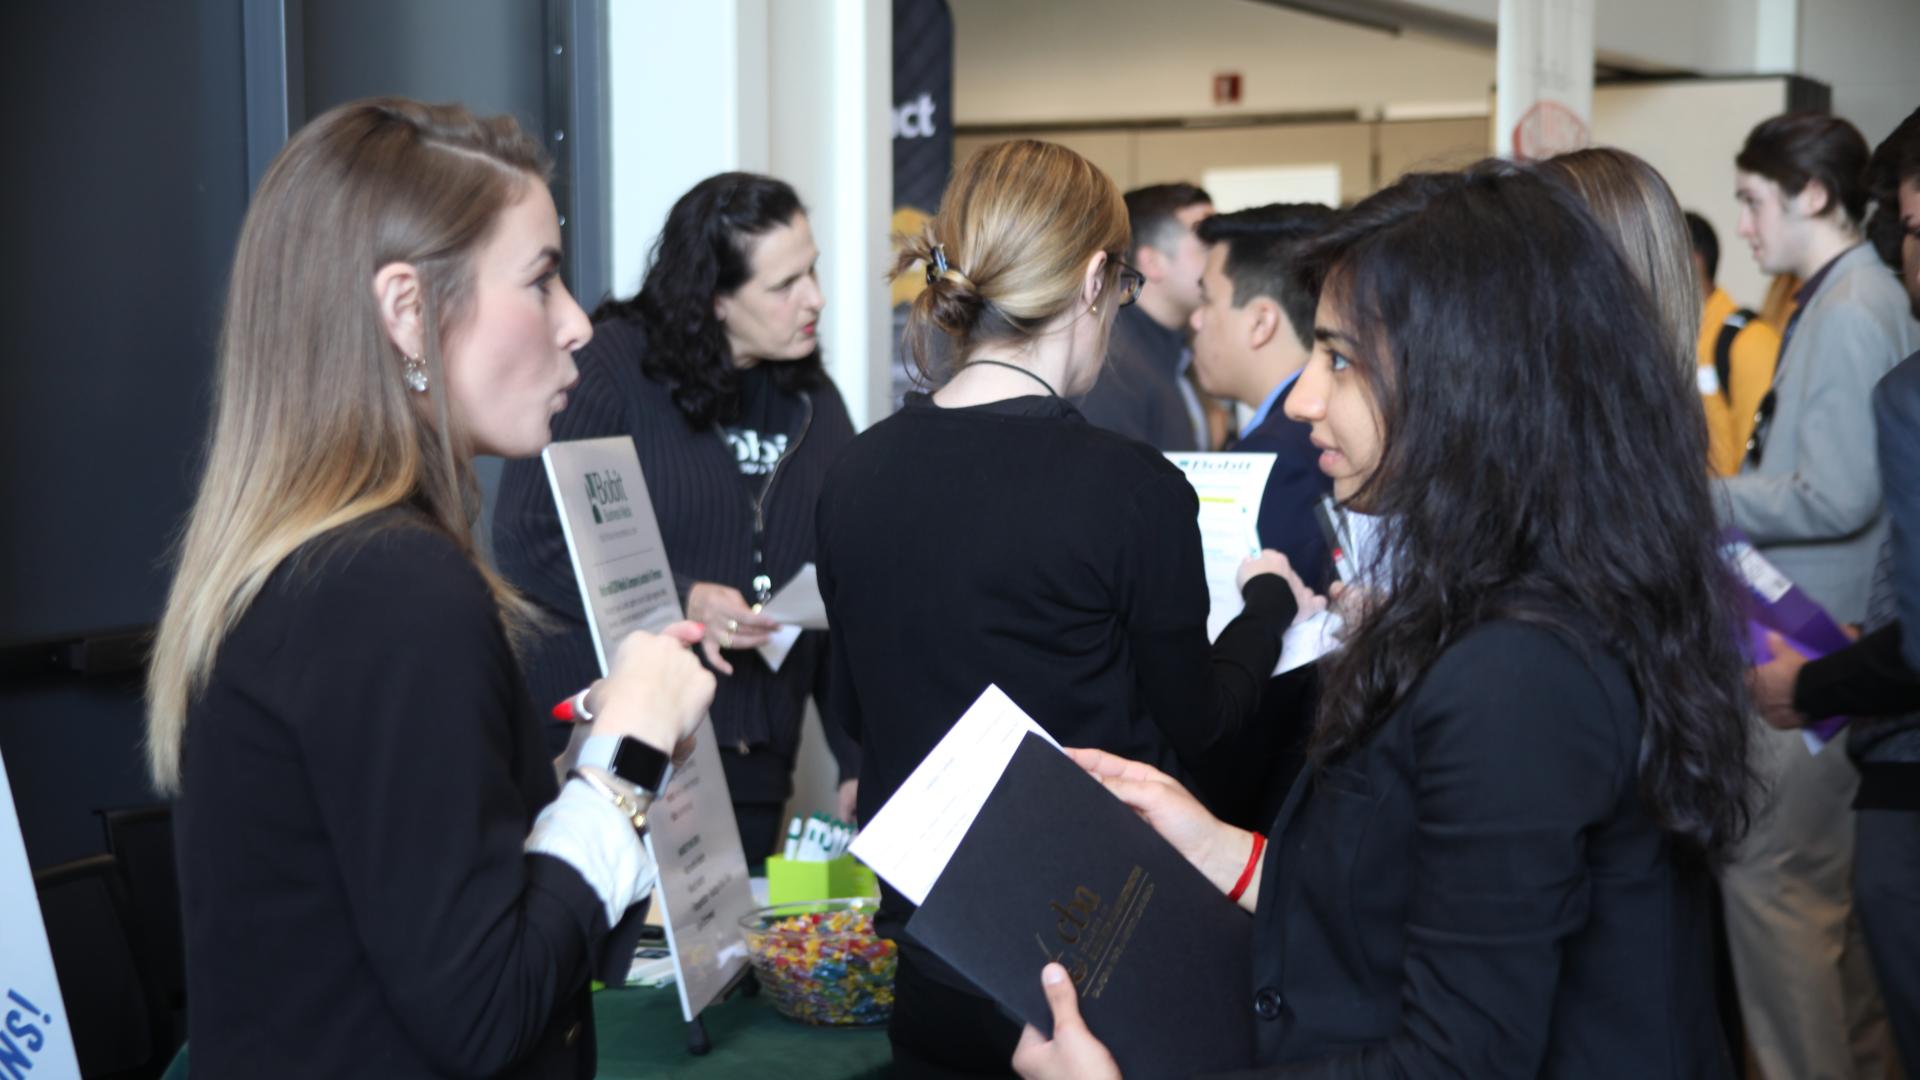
1877, 679
1809, 497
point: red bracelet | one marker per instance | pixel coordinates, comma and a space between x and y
1253, 860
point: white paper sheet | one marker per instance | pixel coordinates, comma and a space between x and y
1308, 640
798, 607
1230, 487
779, 643
798, 602
913, 837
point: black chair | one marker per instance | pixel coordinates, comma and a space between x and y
141, 838
117, 1020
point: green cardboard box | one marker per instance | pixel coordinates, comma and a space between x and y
792, 881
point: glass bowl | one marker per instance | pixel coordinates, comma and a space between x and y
821, 962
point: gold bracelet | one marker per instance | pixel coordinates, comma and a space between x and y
630, 809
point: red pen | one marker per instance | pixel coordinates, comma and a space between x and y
573, 710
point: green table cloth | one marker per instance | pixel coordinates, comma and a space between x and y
642, 1035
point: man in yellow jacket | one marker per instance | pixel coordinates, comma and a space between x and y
1737, 352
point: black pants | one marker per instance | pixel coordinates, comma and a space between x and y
761, 829
939, 1031
1886, 894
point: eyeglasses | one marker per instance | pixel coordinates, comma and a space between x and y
1762, 421
1129, 283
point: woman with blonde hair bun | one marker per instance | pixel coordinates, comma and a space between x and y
987, 534
377, 873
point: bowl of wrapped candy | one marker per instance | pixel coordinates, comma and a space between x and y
821, 962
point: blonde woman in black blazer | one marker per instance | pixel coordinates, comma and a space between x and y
1533, 745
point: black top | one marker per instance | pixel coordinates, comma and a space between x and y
1477, 891
1871, 682
1866, 679
765, 428
1015, 544
359, 777
1138, 393
707, 519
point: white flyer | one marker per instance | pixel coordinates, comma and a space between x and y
913, 837
626, 585
1230, 487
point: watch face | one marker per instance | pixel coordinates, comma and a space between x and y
639, 764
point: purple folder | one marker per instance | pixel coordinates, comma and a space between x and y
1777, 604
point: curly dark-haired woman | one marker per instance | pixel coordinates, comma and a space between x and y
714, 370
1535, 740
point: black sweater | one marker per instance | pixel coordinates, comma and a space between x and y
359, 777
706, 519
1016, 544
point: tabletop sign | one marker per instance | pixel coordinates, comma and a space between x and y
626, 585
34, 1037
1230, 487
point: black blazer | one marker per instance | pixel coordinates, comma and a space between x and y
359, 778
1476, 890
1296, 483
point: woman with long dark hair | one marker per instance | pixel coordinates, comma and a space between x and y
714, 370
1534, 742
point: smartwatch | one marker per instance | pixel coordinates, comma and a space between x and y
629, 759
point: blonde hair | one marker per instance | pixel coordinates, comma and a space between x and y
313, 426
1017, 225
1632, 201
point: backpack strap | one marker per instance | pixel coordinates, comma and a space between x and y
1723, 348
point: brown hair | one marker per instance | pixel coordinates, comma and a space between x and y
1798, 147
1016, 227
1633, 203
313, 426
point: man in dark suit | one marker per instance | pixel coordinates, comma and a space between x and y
1143, 392
1252, 333
1877, 680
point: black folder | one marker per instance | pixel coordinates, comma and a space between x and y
1056, 868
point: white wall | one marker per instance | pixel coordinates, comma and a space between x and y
831, 81
1073, 60
1705, 36
686, 98
1696, 157
1864, 49
1028, 60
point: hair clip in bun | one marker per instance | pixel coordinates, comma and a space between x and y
939, 264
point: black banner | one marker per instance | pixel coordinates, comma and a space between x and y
922, 103
922, 140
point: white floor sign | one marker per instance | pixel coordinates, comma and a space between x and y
34, 1038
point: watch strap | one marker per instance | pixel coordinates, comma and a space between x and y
629, 759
